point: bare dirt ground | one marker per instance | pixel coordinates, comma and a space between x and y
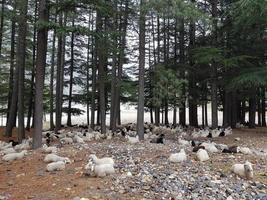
27, 178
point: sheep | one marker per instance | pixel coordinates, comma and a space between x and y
178, 157
202, 155
99, 161
66, 140
132, 140
210, 147
54, 158
78, 139
195, 149
47, 149
25, 145
101, 170
5, 145
8, 151
245, 150
14, 156
158, 140
232, 149
183, 142
56, 166
243, 170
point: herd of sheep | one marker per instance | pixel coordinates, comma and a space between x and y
102, 167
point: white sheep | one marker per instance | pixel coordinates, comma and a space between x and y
78, 139
99, 161
25, 145
243, 170
210, 147
202, 155
14, 156
101, 170
66, 140
47, 149
56, 166
183, 142
178, 157
4, 145
8, 151
245, 150
132, 140
54, 158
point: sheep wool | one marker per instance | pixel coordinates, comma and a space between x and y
202, 155
56, 166
245, 150
100, 161
243, 170
210, 147
102, 170
7, 151
178, 157
78, 139
133, 140
54, 158
14, 156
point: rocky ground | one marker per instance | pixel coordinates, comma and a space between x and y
151, 175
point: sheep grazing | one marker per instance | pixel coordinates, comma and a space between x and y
78, 139
54, 158
158, 140
243, 170
202, 155
14, 156
101, 170
132, 140
56, 166
178, 157
100, 161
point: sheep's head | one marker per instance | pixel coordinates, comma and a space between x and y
93, 157
67, 160
248, 170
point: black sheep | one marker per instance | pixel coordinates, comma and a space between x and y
158, 140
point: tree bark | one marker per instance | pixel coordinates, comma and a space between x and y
71, 75
2, 24
12, 75
58, 80
21, 51
40, 73
31, 102
51, 94
263, 107
142, 51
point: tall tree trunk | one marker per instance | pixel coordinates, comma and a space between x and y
59, 71
182, 108
21, 51
51, 94
71, 75
263, 107
100, 45
142, 52
30, 109
93, 96
40, 73
252, 111
214, 101
12, 75
2, 24
193, 121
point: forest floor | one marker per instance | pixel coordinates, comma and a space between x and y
153, 177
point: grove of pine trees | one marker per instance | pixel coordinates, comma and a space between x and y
159, 55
